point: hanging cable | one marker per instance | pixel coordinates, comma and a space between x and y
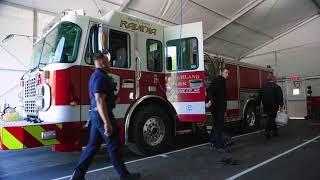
9, 90
180, 38
12, 55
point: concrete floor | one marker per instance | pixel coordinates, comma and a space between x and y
194, 163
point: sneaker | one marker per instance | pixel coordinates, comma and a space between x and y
213, 146
229, 161
229, 143
132, 176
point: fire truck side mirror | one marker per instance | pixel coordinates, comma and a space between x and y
169, 63
103, 40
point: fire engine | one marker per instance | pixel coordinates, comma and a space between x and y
161, 73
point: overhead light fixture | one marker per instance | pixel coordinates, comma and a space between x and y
7, 38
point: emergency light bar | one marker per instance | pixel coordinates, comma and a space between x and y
80, 12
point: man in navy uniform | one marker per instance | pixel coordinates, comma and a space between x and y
103, 123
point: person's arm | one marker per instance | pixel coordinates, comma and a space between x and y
258, 98
211, 93
280, 97
102, 109
100, 97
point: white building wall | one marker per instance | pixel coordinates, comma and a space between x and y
15, 54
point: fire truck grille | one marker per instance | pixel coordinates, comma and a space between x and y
30, 106
30, 88
29, 93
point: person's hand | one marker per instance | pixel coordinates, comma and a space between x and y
118, 100
108, 129
281, 109
208, 104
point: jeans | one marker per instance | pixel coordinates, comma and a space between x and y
217, 130
96, 137
271, 123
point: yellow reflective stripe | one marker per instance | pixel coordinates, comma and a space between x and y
10, 141
59, 126
35, 131
1, 137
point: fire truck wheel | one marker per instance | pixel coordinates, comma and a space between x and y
152, 130
250, 121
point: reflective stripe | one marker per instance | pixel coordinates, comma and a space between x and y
1, 137
189, 107
233, 104
10, 141
35, 131
119, 111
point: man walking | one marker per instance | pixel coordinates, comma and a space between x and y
218, 103
272, 101
103, 123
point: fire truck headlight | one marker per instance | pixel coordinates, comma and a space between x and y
20, 95
40, 90
40, 103
46, 96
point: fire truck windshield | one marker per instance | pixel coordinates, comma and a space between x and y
60, 45
36, 53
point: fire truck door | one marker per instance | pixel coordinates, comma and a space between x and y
185, 78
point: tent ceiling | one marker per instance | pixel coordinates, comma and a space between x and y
232, 28
262, 24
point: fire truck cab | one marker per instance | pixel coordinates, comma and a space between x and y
159, 72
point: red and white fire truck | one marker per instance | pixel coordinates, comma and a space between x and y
161, 74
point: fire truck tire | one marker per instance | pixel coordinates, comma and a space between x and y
250, 121
152, 130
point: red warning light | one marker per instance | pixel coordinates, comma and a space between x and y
294, 78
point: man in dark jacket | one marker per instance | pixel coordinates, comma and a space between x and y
218, 102
272, 101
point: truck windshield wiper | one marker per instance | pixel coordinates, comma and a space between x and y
31, 70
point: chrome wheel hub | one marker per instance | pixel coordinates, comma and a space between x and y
251, 118
153, 131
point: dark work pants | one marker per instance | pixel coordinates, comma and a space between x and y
96, 137
271, 123
217, 130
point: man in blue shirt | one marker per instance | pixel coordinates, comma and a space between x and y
103, 122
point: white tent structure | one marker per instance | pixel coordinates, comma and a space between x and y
249, 30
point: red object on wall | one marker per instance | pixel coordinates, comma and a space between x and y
294, 78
